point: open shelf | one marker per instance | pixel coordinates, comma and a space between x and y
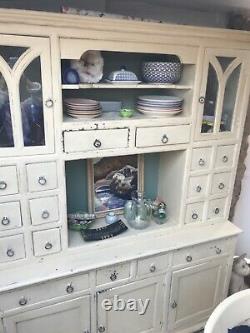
126, 86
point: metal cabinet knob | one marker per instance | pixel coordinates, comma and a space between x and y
217, 210
97, 143
86, 331
225, 159
23, 301
189, 258
3, 185
221, 186
174, 305
113, 276
152, 268
48, 246
5, 220
198, 188
10, 253
70, 288
42, 180
218, 250
195, 216
201, 162
101, 329
202, 100
164, 139
49, 103
45, 214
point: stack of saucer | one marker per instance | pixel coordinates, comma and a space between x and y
159, 106
82, 108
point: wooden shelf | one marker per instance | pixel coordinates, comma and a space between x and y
125, 86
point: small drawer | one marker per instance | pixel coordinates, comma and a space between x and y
201, 158
44, 210
162, 136
8, 180
10, 215
194, 212
113, 273
197, 186
221, 183
42, 176
77, 141
43, 292
47, 242
12, 248
225, 156
152, 265
216, 208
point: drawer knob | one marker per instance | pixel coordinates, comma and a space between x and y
202, 100
174, 305
49, 103
45, 214
218, 250
42, 180
48, 246
217, 210
113, 276
23, 301
201, 162
189, 258
198, 189
164, 139
10, 253
5, 220
97, 143
195, 216
152, 268
3, 185
86, 331
101, 329
70, 288
225, 159
221, 186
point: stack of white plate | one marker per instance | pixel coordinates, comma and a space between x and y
82, 108
159, 106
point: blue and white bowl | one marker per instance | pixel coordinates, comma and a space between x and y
161, 72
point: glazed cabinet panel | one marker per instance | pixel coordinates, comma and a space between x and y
195, 292
71, 316
220, 103
26, 104
132, 319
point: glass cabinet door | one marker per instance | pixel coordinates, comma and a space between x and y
26, 105
221, 92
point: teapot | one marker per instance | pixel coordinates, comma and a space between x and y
138, 211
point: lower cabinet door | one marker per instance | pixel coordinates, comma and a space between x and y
67, 317
134, 308
195, 292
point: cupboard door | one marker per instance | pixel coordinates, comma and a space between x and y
221, 93
195, 292
132, 320
71, 316
26, 105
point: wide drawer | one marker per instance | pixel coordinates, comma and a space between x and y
12, 248
113, 273
10, 215
8, 180
152, 265
44, 210
47, 241
77, 141
44, 291
162, 135
41, 176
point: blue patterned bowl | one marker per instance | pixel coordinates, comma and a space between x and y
161, 72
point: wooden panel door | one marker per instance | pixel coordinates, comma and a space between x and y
26, 105
133, 321
195, 292
70, 316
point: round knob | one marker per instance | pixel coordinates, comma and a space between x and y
113, 276
202, 100
218, 250
23, 301
189, 258
45, 214
152, 268
10, 253
97, 143
86, 331
70, 289
225, 159
217, 210
195, 216
42, 180
49, 103
201, 162
221, 186
164, 139
174, 305
3, 185
101, 329
48, 246
5, 220
198, 189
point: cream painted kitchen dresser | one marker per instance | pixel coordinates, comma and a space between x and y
50, 279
